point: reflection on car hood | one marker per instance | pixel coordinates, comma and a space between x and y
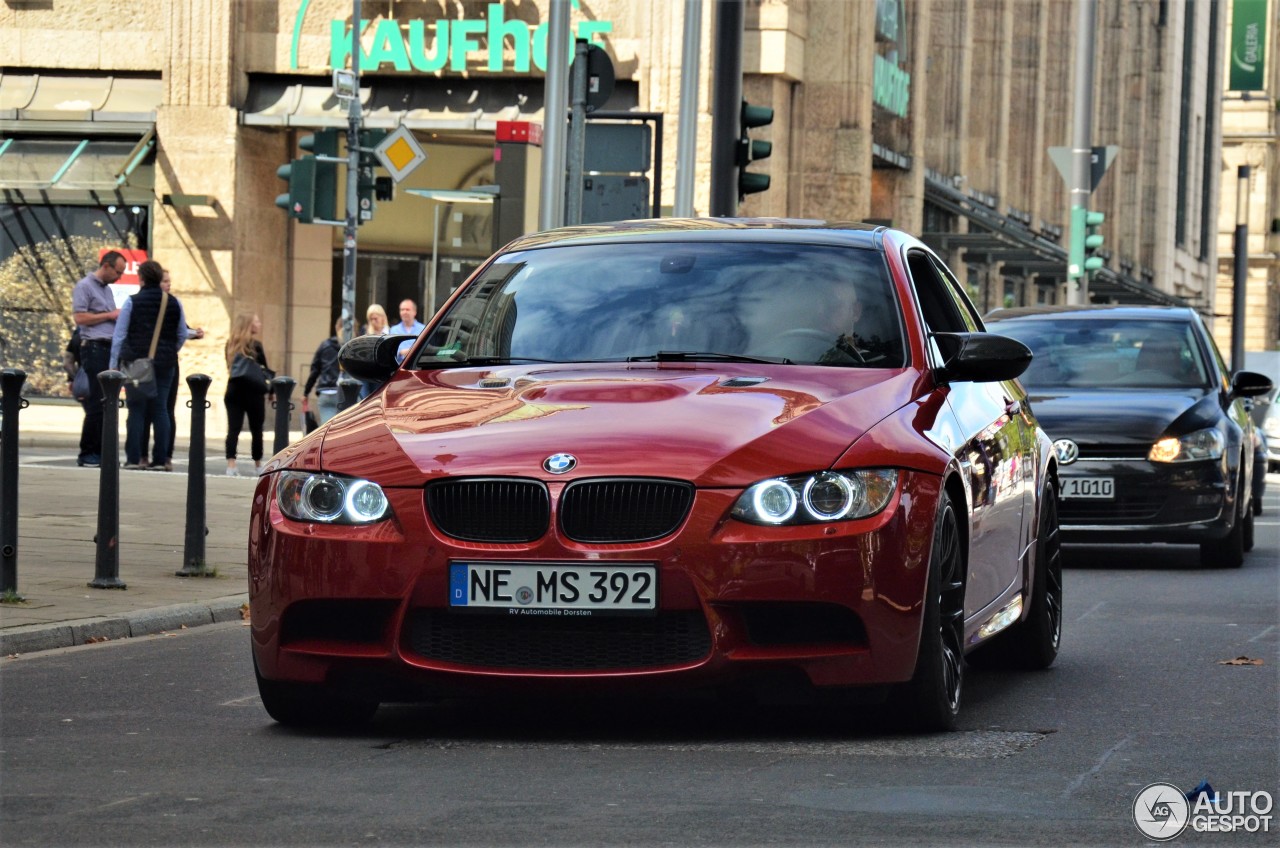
1122, 417
680, 421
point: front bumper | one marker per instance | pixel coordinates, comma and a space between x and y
834, 605
1153, 502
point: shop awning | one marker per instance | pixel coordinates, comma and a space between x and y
419, 104
74, 139
85, 105
994, 238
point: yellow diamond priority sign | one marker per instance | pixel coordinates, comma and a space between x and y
400, 153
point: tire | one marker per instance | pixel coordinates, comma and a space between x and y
1257, 505
1227, 552
1033, 643
1247, 530
930, 701
311, 705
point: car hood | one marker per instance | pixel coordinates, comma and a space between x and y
712, 424
1136, 417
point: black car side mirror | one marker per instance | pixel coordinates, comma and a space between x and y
1247, 384
981, 357
371, 357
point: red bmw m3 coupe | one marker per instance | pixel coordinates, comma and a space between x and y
676, 453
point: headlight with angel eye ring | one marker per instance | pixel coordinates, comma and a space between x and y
330, 499
820, 497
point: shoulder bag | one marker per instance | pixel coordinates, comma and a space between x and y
250, 370
140, 374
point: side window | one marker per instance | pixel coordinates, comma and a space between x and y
936, 303
963, 305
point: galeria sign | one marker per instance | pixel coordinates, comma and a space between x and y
415, 46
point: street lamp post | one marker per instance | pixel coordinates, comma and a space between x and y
1241, 268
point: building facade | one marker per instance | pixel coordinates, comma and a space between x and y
1251, 139
158, 125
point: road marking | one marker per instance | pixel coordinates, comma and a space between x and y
1099, 605
1097, 767
1263, 633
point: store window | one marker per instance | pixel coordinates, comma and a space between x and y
44, 251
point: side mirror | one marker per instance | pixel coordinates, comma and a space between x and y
981, 357
1247, 384
371, 357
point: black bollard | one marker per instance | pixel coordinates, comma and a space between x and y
107, 563
193, 562
283, 387
11, 380
348, 391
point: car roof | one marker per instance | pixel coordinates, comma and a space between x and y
1099, 312
786, 230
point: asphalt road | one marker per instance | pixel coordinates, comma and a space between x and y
162, 741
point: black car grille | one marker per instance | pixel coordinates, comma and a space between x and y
490, 509
1122, 510
1114, 451
555, 643
623, 509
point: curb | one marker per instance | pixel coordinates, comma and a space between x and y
31, 638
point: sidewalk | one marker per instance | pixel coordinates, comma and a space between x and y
56, 555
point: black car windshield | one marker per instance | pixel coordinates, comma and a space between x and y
1108, 354
720, 301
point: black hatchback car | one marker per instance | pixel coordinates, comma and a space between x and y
1151, 433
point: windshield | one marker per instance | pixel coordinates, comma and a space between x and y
785, 303
1104, 355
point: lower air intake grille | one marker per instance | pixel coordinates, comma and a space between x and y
484, 509
556, 643
623, 509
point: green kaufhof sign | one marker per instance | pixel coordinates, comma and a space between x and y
1248, 45
445, 44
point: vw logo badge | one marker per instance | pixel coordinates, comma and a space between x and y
560, 463
1067, 451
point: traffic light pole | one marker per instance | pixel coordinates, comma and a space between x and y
726, 102
1081, 149
353, 200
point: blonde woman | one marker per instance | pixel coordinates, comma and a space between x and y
377, 325
247, 388
376, 320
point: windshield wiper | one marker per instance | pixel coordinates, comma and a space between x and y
698, 355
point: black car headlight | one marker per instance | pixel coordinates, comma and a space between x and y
818, 497
1193, 447
330, 499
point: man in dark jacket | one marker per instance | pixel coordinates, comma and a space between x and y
135, 329
324, 376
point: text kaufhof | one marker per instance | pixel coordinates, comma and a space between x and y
1232, 811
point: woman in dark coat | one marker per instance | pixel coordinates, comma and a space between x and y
134, 331
246, 396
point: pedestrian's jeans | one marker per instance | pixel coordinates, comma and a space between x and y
94, 359
155, 408
326, 404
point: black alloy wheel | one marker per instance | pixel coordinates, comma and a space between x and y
1033, 643
930, 701
1228, 552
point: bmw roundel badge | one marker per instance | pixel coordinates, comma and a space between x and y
560, 463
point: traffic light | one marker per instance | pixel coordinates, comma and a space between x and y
1093, 262
313, 179
367, 182
750, 150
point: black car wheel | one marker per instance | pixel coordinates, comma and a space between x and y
305, 705
1033, 643
931, 699
1247, 519
1228, 552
